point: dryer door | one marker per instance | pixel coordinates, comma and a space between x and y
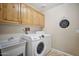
40, 48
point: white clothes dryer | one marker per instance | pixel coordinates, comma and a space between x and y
37, 44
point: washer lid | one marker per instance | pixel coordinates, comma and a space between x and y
8, 40
7, 37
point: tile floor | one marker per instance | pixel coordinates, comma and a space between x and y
55, 52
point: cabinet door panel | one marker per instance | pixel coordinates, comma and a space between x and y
41, 20
30, 16
24, 14
11, 12
36, 18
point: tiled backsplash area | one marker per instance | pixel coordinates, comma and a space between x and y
12, 28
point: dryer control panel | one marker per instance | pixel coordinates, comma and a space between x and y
41, 37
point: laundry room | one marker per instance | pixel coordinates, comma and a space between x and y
39, 29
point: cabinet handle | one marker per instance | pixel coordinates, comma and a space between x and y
13, 6
0, 9
5, 19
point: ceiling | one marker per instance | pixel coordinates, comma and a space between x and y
44, 6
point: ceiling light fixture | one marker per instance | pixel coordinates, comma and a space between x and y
43, 5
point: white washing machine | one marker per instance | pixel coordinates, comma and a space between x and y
38, 44
12, 45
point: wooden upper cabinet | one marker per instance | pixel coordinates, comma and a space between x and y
24, 14
20, 13
1, 12
11, 12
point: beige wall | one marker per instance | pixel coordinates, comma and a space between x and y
66, 40
12, 28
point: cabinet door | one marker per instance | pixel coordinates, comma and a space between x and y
41, 20
11, 12
24, 14
30, 16
1, 12
36, 18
